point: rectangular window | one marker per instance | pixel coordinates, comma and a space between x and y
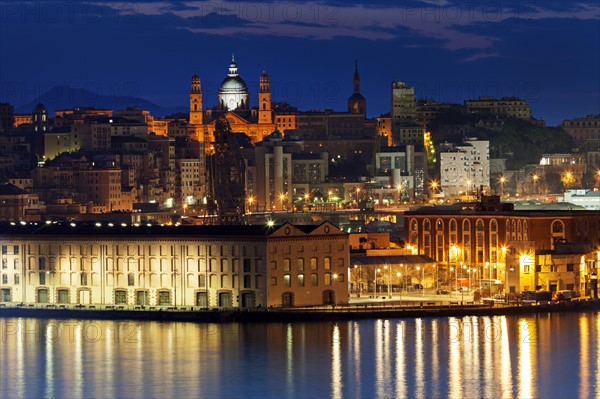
313, 263
16, 249
300, 263
164, 298
42, 263
43, 278
570, 267
247, 265
301, 280
201, 281
17, 279
5, 263
287, 280
327, 263
247, 281
327, 280
5, 279
130, 280
286, 265
526, 269
120, 297
4, 250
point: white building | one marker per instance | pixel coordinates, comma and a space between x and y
100, 264
590, 200
465, 168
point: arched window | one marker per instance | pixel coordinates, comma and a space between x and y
427, 225
427, 237
513, 230
466, 241
479, 241
439, 240
453, 232
557, 231
493, 241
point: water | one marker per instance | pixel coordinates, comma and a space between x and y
549, 356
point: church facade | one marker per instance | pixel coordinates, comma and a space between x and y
234, 103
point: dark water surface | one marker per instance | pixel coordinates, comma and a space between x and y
547, 356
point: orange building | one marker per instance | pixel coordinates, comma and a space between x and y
234, 103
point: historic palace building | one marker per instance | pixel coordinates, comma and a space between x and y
64, 264
524, 249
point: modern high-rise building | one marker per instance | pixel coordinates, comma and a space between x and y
406, 126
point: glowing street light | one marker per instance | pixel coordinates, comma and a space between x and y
399, 275
282, 198
502, 181
359, 282
535, 179
250, 201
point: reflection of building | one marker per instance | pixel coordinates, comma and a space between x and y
200, 266
491, 238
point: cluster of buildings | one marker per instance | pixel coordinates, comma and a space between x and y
475, 244
137, 176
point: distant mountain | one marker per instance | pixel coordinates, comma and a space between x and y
66, 97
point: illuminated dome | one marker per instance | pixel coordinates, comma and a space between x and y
233, 92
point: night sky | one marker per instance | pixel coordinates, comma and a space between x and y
546, 52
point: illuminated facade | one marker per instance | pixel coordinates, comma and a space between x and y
200, 266
233, 101
491, 240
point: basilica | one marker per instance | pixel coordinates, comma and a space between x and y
234, 103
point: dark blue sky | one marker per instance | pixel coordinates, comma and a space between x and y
547, 52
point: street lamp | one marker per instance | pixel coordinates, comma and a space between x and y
250, 201
422, 279
389, 268
282, 197
535, 178
376, 271
434, 186
502, 181
359, 278
399, 275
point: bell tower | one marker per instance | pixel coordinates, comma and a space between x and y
357, 104
265, 115
195, 101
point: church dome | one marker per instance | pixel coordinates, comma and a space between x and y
233, 84
233, 92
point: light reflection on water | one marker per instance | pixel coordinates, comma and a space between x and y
492, 357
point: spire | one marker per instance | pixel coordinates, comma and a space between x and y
233, 66
356, 79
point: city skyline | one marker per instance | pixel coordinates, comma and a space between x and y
546, 54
